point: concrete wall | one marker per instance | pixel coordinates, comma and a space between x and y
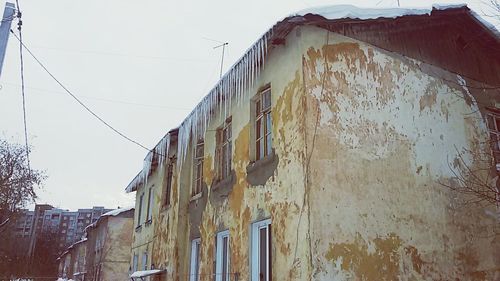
362, 138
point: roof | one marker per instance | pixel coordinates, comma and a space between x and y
117, 212
231, 88
112, 213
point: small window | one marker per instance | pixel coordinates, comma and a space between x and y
145, 261
261, 251
168, 187
149, 213
194, 274
135, 262
224, 150
139, 214
263, 124
222, 257
198, 168
493, 122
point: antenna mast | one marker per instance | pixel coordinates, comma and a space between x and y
223, 45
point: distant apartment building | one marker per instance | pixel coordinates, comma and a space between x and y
24, 224
64, 227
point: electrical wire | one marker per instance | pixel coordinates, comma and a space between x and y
76, 98
19, 28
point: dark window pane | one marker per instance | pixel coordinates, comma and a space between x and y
224, 258
497, 121
262, 254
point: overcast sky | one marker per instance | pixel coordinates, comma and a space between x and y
141, 65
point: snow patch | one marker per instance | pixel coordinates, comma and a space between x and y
144, 273
117, 211
353, 12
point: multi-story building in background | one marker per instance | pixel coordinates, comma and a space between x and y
24, 224
62, 226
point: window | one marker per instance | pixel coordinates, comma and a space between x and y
168, 187
139, 214
135, 262
145, 261
149, 213
263, 124
194, 274
261, 251
224, 149
222, 272
198, 168
493, 120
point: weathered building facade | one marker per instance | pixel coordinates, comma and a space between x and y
108, 246
103, 253
335, 149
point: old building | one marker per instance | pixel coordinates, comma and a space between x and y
334, 149
150, 186
108, 244
72, 262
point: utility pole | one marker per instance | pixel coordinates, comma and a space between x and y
8, 16
223, 45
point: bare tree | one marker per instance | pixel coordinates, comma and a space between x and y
493, 9
17, 181
480, 183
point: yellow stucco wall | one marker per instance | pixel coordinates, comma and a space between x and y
144, 236
363, 138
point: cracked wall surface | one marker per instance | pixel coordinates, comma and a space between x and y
362, 138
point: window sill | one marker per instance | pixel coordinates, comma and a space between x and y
227, 181
196, 197
148, 222
165, 207
257, 164
138, 228
260, 171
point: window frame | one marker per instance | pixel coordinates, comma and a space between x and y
149, 211
135, 262
263, 123
493, 125
168, 185
145, 260
139, 214
197, 184
194, 265
224, 150
255, 250
219, 258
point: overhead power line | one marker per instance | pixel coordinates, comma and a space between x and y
76, 98
19, 28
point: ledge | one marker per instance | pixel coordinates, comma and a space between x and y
258, 172
224, 183
138, 228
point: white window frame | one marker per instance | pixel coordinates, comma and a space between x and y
194, 267
145, 261
255, 257
135, 263
151, 198
219, 256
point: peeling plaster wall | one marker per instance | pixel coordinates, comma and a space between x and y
143, 238
117, 248
382, 133
361, 138
279, 198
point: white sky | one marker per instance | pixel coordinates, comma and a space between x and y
141, 65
